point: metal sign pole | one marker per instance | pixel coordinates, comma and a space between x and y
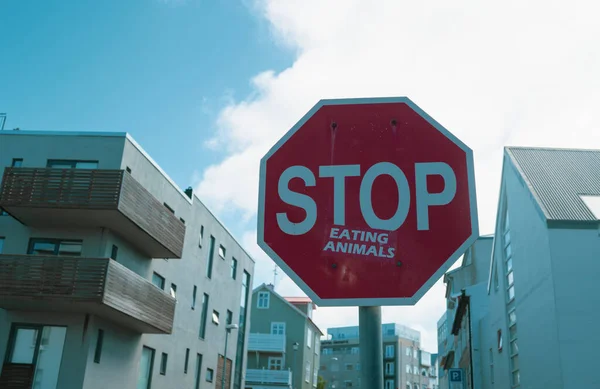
371, 347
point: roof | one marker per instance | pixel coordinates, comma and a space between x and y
558, 177
300, 300
284, 299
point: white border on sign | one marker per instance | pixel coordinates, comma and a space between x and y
367, 301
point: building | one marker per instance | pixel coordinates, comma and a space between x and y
541, 327
466, 305
405, 364
284, 344
110, 275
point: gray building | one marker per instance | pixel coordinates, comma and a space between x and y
284, 347
110, 275
541, 327
405, 364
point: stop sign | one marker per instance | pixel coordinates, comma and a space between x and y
367, 202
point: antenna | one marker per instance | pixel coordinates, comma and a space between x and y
275, 275
2, 120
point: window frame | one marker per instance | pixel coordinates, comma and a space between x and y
72, 162
56, 242
267, 297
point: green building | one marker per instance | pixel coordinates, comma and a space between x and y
284, 343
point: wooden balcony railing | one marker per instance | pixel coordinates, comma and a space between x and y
268, 343
98, 286
272, 377
93, 198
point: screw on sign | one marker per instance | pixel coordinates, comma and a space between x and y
367, 202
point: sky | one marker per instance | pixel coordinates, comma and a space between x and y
207, 87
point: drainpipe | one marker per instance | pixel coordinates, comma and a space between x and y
470, 340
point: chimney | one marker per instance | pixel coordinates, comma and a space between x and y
189, 192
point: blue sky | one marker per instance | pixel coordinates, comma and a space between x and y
159, 70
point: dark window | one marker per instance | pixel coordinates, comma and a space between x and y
215, 317
198, 370
99, 342
128, 169
194, 297
222, 251
239, 356
146, 367
187, 360
203, 316
173, 290
158, 280
181, 219
169, 208
229, 317
201, 236
71, 164
163, 363
17, 162
1, 244
41, 246
233, 268
114, 252
211, 254
209, 375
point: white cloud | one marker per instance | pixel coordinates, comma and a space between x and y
511, 73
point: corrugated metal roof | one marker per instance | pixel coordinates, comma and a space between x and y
557, 177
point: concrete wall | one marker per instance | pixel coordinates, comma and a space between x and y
122, 348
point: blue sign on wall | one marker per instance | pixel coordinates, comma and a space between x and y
456, 378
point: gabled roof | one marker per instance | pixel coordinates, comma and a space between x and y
557, 178
271, 290
301, 300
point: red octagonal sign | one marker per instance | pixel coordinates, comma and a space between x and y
367, 202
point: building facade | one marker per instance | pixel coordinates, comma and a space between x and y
110, 275
405, 364
284, 344
541, 328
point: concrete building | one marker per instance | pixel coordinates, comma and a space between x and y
405, 364
541, 327
466, 305
110, 275
284, 344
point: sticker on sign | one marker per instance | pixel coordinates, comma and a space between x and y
367, 202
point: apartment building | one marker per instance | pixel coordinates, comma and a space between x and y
465, 307
283, 347
110, 275
405, 364
541, 327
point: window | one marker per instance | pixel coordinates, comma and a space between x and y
41, 246
358, 366
408, 369
278, 328
128, 169
71, 164
492, 365
275, 363
201, 236
169, 208
194, 297
98, 351
499, 341
182, 220
416, 370
307, 371
416, 353
317, 344
146, 366
408, 352
233, 268
17, 162
315, 377
354, 350
389, 351
389, 368
263, 300
222, 251
309, 337
389, 384
209, 375
326, 351
203, 316
347, 384
349, 366
229, 318
1, 244
215, 317
187, 360
113, 252
198, 370
173, 290
158, 280
163, 363
211, 253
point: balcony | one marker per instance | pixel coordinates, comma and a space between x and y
268, 377
268, 343
98, 286
56, 198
